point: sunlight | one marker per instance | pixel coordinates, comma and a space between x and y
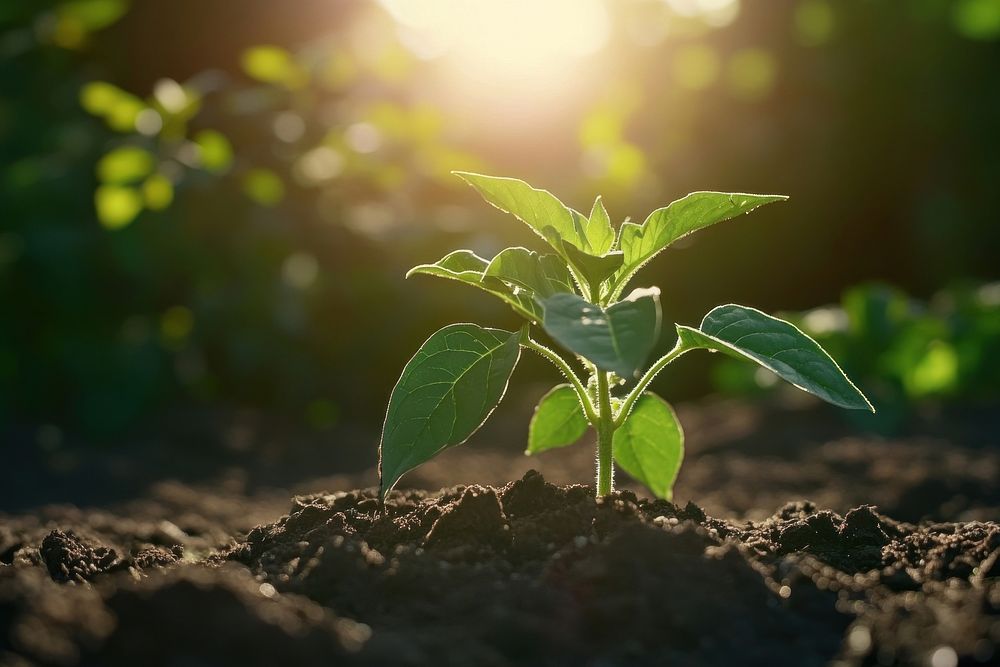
524, 40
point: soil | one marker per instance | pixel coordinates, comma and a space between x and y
531, 572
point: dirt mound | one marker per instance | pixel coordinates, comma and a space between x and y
529, 573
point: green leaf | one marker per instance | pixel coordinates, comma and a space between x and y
117, 205
273, 64
594, 270
124, 165
641, 243
214, 150
600, 233
558, 420
92, 15
542, 275
467, 267
446, 392
649, 445
264, 186
100, 97
616, 339
536, 208
458, 265
778, 346
158, 192
118, 108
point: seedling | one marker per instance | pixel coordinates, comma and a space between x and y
459, 375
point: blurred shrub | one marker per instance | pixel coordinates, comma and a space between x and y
977, 19
227, 221
298, 125
901, 351
233, 263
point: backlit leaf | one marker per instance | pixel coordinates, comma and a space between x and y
778, 346
600, 232
536, 208
641, 243
273, 64
264, 186
98, 97
125, 165
458, 265
445, 393
542, 275
158, 192
214, 150
118, 108
649, 445
117, 205
92, 15
594, 270
558, 420
616, 339
467, 267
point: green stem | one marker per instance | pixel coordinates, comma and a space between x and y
581, 283
595, 293
644, 381
605, 434
564, 368
615, 291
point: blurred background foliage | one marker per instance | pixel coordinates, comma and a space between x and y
905, 353
211, 205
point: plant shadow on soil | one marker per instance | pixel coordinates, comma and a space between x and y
530, 572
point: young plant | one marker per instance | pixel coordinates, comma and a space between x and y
458, 376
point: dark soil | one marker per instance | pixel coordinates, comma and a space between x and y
527, 573
182, 550
742, 460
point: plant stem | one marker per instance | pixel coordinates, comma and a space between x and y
564, 368
605, 433
644, 381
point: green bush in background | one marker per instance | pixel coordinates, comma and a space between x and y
196, 225
905, 352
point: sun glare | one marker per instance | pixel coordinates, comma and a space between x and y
526, 40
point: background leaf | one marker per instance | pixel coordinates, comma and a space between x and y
778, 346
641, 243
264, 186
649, 446
617, 339
125, 165
558, 420
273, 64
157, 192
445, 393
92, 14
117, 205
215, 152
